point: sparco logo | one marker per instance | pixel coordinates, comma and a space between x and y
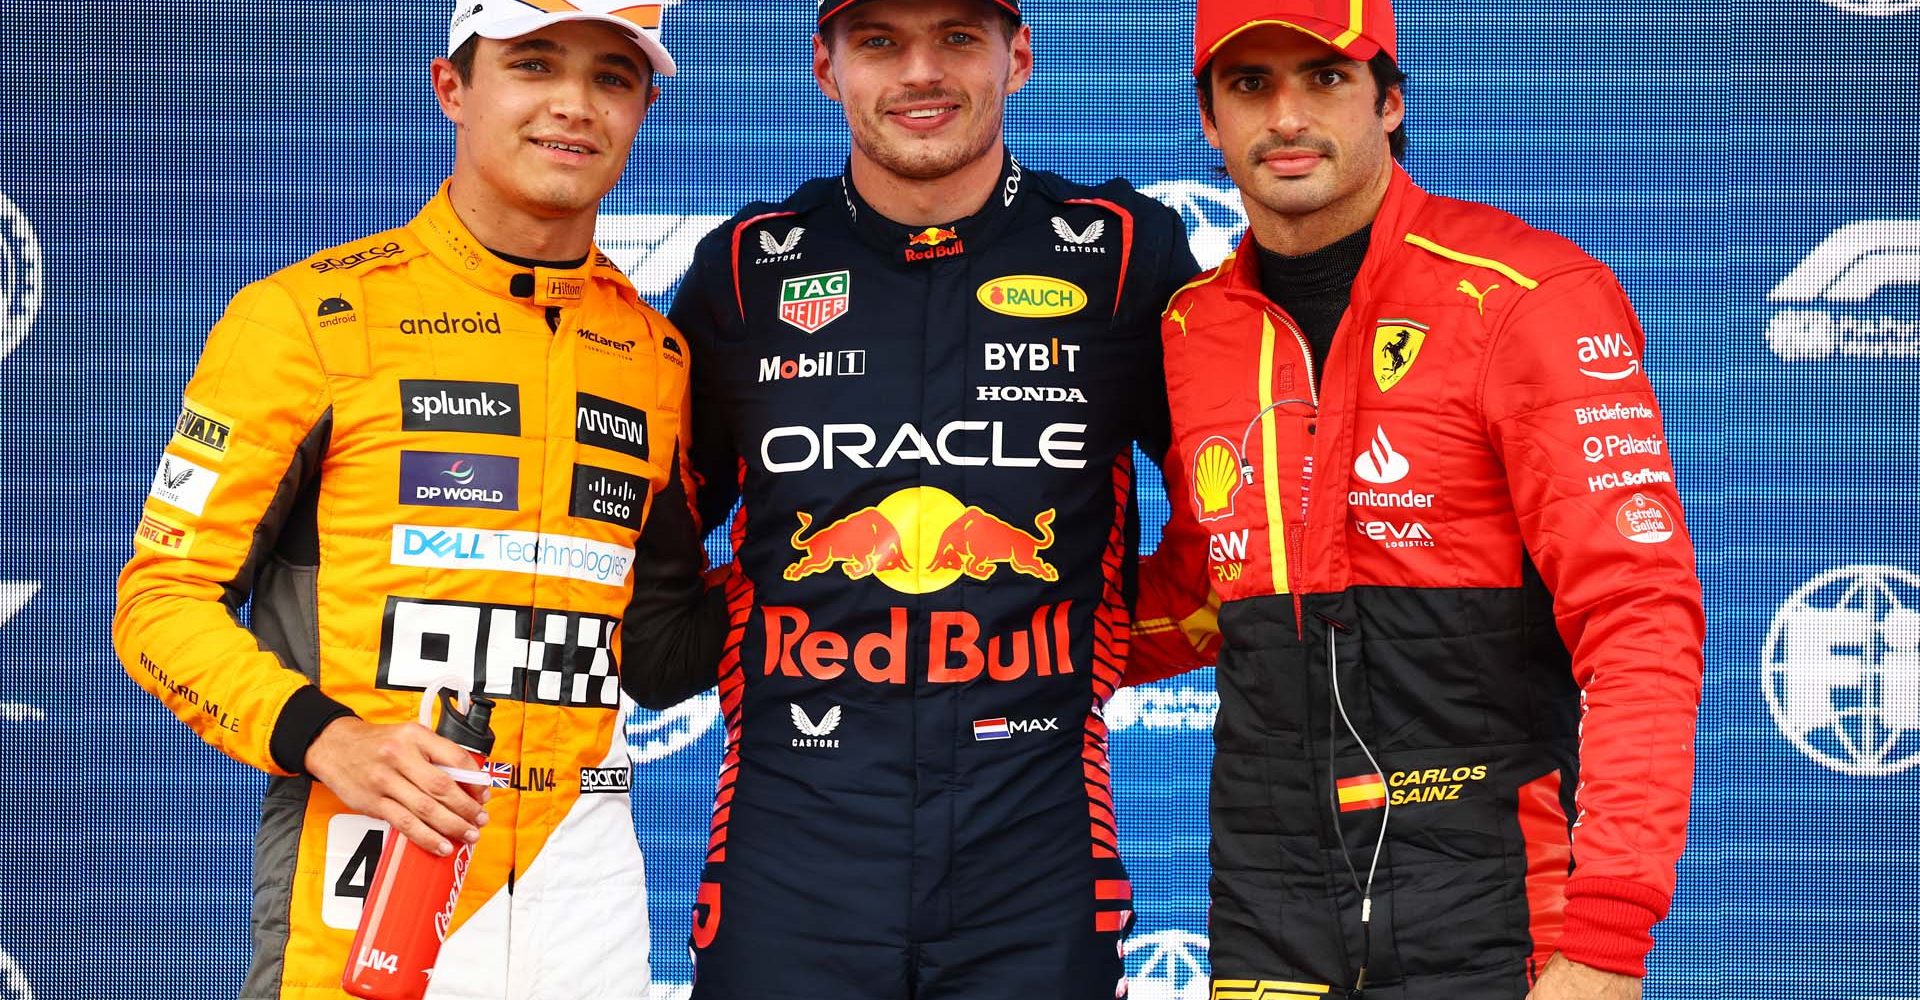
605, 779
610, 424
1825, 300
357, 258
474, 407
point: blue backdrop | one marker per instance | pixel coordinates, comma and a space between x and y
1748, 168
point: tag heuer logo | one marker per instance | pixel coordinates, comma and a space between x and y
813, 301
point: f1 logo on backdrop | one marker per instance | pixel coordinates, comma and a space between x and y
1167, 965
1840, 670
1825, 303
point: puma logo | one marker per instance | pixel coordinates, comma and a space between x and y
1479, 297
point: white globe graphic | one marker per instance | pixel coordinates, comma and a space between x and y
1841, 670
21, 276
1172, 966
1876, 8
1214, 216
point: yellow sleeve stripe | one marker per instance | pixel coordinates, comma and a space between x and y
1466, 258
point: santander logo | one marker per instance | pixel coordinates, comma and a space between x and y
1380, 464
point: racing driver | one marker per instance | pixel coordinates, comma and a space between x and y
1419, 476
924, 379
430, 453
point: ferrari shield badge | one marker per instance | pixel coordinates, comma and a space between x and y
1396, 345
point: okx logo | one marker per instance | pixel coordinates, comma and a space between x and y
1840, 300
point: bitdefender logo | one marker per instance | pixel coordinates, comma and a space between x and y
1839, 301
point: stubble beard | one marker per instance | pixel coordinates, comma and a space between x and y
930, 158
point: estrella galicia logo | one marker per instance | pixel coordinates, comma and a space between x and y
608, 495
473, 407
606, 423
447, 479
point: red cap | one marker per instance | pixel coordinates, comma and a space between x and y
1359, 28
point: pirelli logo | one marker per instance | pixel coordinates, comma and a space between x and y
202, 430
1267, 989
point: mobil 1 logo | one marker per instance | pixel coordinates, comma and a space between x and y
472, 407
606, 423
608, 495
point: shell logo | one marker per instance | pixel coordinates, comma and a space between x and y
1216, 478
1032, 296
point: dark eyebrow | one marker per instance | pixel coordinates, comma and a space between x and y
618, 60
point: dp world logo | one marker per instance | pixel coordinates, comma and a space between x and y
20, 277
1168, 965
1841, 669
1827, 303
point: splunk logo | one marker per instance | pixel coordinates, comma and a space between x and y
1838, 301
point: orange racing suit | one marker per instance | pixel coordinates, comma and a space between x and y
416, 459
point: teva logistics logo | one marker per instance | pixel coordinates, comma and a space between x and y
20, 276
1875, 8
1167, 965
1841, 669
1825, 304
654, 736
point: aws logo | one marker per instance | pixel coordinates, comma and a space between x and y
922, 539
1032, 296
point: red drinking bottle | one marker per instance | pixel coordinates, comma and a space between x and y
410, 903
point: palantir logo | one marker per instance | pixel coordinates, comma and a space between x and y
1823, 302
1167, 965
20, 276
1841, 669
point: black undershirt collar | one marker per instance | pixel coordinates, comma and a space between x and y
1315, 288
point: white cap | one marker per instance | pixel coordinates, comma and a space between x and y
504, 19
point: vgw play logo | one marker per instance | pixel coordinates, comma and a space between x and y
1856, 295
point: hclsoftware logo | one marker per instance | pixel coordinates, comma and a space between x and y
1840, 669
20, 276
1828, 301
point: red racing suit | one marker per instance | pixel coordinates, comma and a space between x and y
1462, 555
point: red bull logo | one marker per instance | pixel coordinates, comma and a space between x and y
955, 652
920, 540
861, 544
938, 243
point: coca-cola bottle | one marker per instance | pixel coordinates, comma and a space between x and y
410, 904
